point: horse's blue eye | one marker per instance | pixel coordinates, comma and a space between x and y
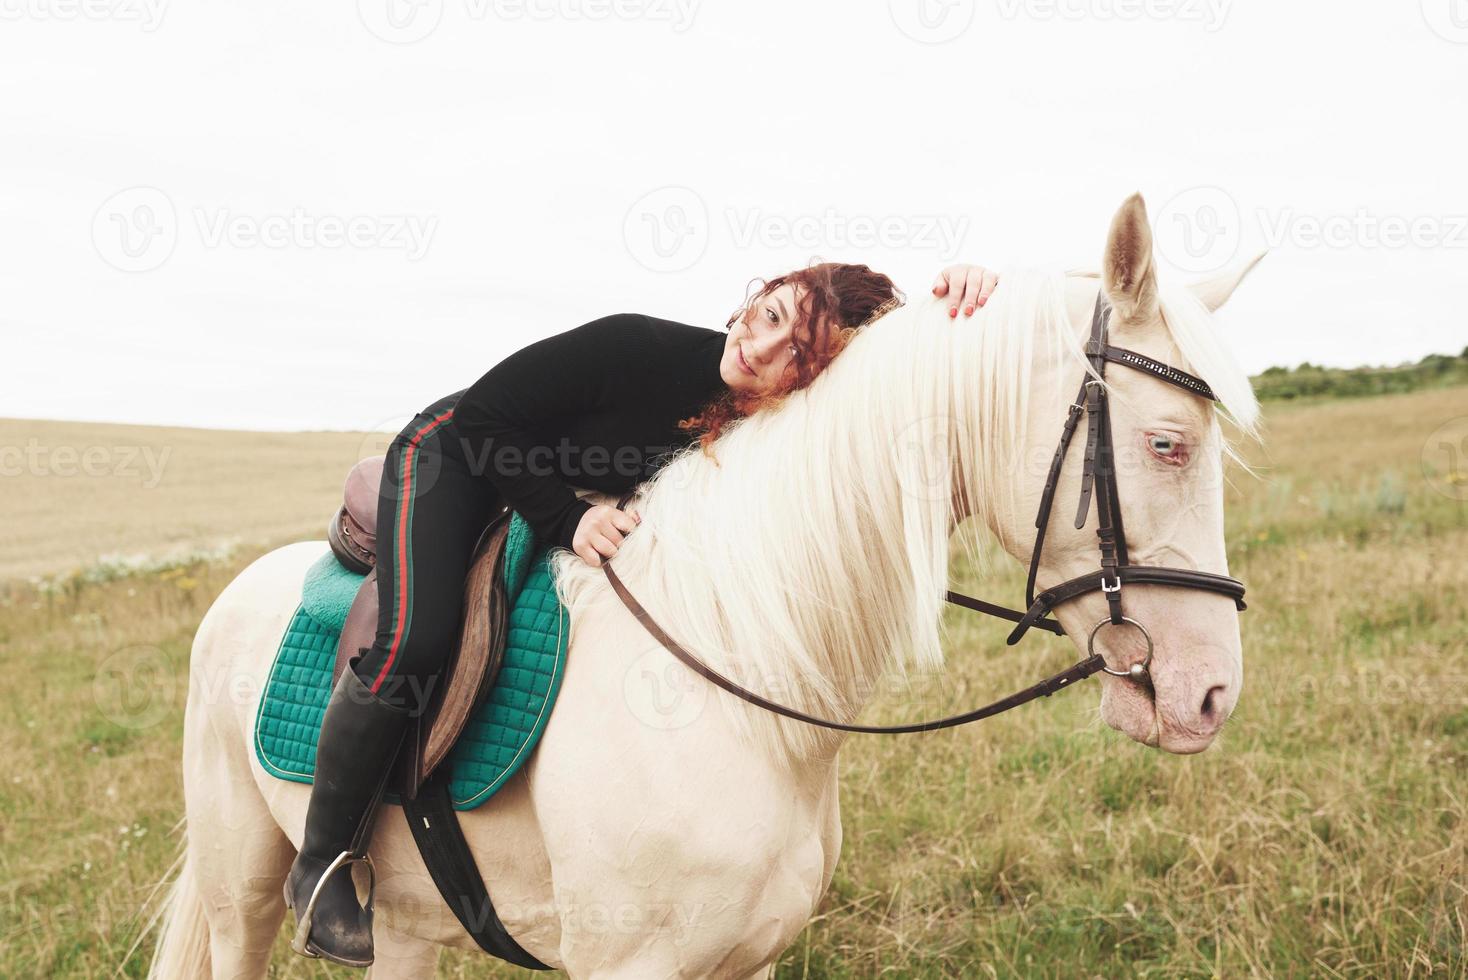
1162, 445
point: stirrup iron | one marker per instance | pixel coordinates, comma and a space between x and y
305, 916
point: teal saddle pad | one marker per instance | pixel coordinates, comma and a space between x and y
496, 740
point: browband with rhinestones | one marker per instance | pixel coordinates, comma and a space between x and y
1120, 355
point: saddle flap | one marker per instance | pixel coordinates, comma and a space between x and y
360, 628
470, 674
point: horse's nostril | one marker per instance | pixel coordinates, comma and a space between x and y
1211, 701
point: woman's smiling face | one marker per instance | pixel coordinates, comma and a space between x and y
760, 348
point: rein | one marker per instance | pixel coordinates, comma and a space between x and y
1044, 689
1098, 480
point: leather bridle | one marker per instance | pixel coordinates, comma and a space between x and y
1098, 480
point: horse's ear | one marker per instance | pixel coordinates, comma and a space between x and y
1128, 274
1215, 292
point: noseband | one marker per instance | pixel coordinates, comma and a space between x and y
1098, 480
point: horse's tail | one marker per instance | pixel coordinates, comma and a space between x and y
183, 942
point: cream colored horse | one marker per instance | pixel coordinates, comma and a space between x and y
665, 829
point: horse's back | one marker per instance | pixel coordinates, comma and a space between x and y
273, 580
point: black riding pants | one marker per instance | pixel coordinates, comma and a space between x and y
431, 510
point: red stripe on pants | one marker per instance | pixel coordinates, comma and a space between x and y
402, 557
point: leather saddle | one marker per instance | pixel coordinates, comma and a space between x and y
352, 533
478, 651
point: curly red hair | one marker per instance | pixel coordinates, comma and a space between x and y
836, 296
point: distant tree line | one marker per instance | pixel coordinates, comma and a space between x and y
1312, 381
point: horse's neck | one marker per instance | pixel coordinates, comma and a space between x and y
827, 641
880, 604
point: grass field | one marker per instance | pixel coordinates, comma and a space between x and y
1324, 836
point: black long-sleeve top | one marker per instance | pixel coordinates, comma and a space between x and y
596, 406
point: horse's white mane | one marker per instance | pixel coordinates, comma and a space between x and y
814, 554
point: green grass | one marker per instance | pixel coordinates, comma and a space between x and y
1324, 835
1308, 381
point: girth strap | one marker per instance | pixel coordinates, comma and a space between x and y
440, 837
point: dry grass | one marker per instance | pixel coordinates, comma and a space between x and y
80, 494
1325, 836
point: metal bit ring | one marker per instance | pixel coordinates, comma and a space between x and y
1136, 671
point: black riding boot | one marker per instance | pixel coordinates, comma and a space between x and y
360, 737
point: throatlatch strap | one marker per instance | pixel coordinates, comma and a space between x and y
1002, 612
1052, 482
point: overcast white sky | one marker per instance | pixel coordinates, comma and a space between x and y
293, 215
